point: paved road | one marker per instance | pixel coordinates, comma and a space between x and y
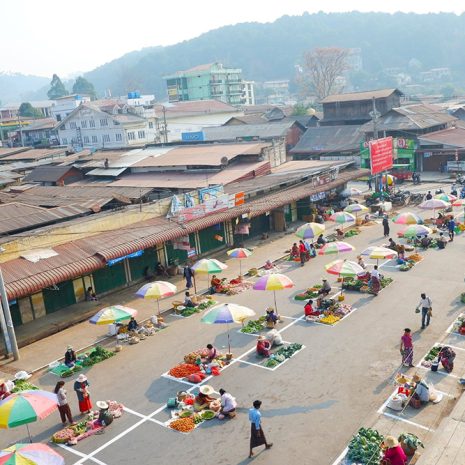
311, 405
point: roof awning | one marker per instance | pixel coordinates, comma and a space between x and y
113, 172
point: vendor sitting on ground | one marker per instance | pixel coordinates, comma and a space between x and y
188, 302
263, 346
321, 240
401, 251
360, 262
366, 219
203, 399
105, 417
325, 289
90, 294
268, 265
295, 253
132, 325
339, 234
392, 245
442, 241
148, 275
425, 392
4, 390
70, 357
425, 242
394, 454
271, 317
228, 405
212, 353
216, 285
309, 310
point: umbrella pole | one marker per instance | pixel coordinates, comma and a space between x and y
275, 305
158, 305
240, 267
28, 433
229, 341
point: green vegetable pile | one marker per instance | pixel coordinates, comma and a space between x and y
433, 353
71, 371
197, 418
385, 281
288, 351
271, 363
188, 311
253, 326
99, 354
22, 385
208, 415
365, 447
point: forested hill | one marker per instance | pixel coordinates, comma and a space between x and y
271, 51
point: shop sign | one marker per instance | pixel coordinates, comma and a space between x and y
189, 214
318, 196
120, 259
191, 253
182, 243
208, 193
381, 154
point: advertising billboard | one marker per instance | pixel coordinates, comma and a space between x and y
381, 155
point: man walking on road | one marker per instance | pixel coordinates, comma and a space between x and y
451, 228
426, 307
386, 226
188, 274
257, 438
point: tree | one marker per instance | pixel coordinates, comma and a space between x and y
320, 70
57, 89
299, 109
28, 111
83, 86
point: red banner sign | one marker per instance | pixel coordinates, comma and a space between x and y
381, 155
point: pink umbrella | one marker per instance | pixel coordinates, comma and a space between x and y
273, 282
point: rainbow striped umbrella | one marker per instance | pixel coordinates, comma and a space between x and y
25, 407
445, 197
344, 268
415, 230
356, 208
273, 282
239, 253
112, 314
342, 217
310, 230
30, 454
434, 204
458, 203
209, 266
227, 314
378, 253
157, 290
335, 247
407, 218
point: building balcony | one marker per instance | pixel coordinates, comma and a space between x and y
220, 81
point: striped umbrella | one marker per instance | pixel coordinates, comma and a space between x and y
342, 217
273, 282
434, 204
415, 230
208, 266
25, 407
157, 290
378, 253
310, 230
356, 208
113, 314
344, 268
445, 197
407, 218
30, 454
239, 253
460, 203
335, 247
227, 314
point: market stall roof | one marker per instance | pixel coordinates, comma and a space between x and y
450, 137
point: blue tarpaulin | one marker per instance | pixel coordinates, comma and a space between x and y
131, 255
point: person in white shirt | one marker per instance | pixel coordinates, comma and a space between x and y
375, 282
228, 405
426, 306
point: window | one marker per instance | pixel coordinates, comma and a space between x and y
104, 122
141, 134
106, 138
131, 136
118, 137
83, 124
64, 140
150, 125
63, 127
94, 139
73, 140
91, 123
72, 125
58, 117
86, 139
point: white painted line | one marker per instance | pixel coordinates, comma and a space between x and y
448, 345
443, 373
381, 409
133, 412
395, 417
158, 422
80, 454
341, 457
289, 317
255, 365
282, 363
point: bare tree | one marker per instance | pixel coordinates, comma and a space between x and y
320, 70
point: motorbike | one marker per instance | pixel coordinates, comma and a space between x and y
439, 191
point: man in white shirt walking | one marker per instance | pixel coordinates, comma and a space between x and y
426, 306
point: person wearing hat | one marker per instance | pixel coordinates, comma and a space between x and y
81, 386
425, 392
203, 399
4, 390
325, 289
263, 346
104, 417
271, 317
257, 437
70, 357
394, 454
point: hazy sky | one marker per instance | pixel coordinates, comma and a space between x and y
65, 36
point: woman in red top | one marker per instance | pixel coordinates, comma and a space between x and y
406, 348
263, 346
308, 309
302, 253
394, 453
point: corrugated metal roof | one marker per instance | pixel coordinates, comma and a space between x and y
113, 172
354, 96
452, 137
235, 131
330, 139
5, 151
41, 124
35, 154
48, 173
195, 108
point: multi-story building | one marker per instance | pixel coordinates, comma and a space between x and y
210, 81
67, 104
106, 124
276, 92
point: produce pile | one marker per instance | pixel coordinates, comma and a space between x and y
21, 385
352, 232
416, 257
183, 370
353, 284
365, 447
254, 326
99, 354
406, 265
70, 371
282, 354
332, 314
183, 425
310, 293
433, 353
233, 289
188, 311
459, 325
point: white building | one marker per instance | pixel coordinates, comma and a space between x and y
106, 124
249, 94
135, 99
63, 106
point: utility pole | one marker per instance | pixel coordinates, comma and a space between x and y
165, 129
20, 130
9, 322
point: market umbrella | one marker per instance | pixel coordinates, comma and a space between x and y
459, 203
445, 197
227, 314
415, 230
30, 454
352, 191
112, 314
310, 230
208, 266
273, 282
407, 218
434, 204
157, 290
342, 217
356, 208
335, 247
24, 407
379, 253
239, 253
344, 269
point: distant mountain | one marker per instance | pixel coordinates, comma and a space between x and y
271, 50
15, 87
